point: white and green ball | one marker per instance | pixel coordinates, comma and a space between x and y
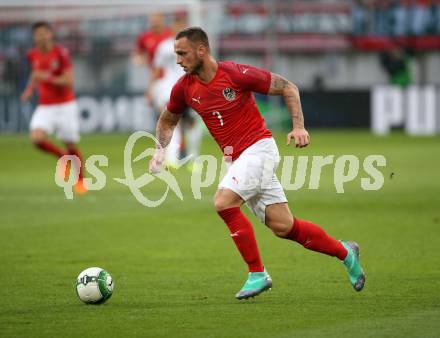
94, 286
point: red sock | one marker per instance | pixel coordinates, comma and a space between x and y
50, 148
244, 238
312, 237
75, 151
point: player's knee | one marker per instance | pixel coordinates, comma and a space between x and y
36, 136
279, 219
280, 229
282, 233
219, 203
222, 203
226, 199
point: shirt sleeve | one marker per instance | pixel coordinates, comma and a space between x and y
177, 103
252, 78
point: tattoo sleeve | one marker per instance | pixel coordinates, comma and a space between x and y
165, 127
280, 86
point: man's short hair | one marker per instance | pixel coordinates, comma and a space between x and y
195, 35
39, 24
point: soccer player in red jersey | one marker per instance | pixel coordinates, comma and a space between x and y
147, 42
57, 111
221, 92
145, 50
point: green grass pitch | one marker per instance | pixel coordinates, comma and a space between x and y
176, 269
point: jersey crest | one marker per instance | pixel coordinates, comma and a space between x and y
229, 94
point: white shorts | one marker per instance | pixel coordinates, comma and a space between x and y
252, 177
161, 93
61, 118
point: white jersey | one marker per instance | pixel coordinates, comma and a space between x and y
165, 58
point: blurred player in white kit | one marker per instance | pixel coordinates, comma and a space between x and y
165, 74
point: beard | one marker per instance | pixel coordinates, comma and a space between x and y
197, 67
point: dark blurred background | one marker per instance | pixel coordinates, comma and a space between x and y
359, 64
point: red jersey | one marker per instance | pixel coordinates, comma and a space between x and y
148, 41
226, 104
55, 62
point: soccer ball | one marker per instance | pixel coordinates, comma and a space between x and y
94, 286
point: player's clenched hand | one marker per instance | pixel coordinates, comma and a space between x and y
156, 162
301, 137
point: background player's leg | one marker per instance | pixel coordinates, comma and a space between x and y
308, 234
173, 148
41, 141
67, 129
227, 204
194, 136
72, 149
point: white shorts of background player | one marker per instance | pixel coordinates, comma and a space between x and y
61, 119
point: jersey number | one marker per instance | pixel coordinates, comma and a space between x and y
219, 116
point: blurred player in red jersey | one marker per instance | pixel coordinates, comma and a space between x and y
221, 92
146, 46
166, 73
147, 42
57, 111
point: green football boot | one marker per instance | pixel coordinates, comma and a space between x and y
355, 271
256, 283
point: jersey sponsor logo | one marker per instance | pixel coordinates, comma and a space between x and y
229, 94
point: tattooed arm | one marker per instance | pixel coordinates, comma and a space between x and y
164, 131
165, 127
280, 86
